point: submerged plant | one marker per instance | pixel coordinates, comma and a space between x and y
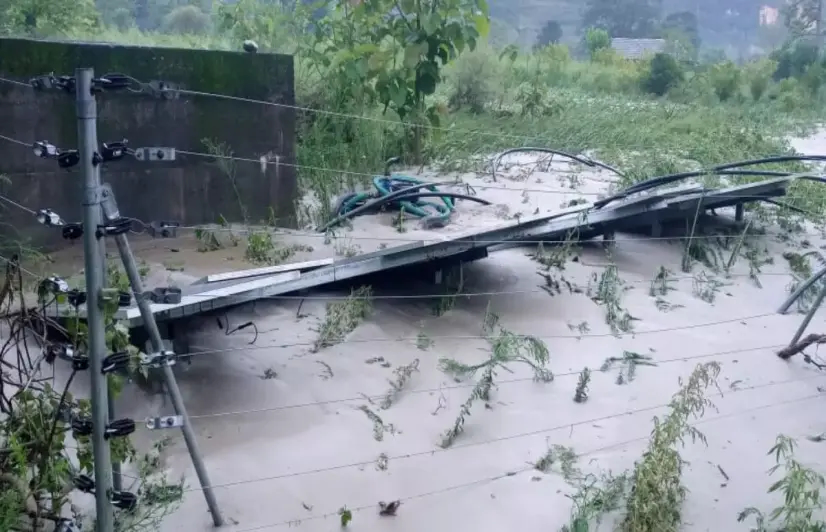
608, 293
657, 492
342, 317
801, 488
505, 348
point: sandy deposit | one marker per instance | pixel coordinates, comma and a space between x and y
286, 445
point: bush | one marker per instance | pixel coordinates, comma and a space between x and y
725, 78
813, 78
759, 74
186, 20
551, 33
597, 39
473, 79
607, 57
122, 18
789, 95
664, 73
556, 53
794, 60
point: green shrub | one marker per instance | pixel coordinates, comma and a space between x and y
725, 78
556, 53
122, 18
813, 78
664, 73
789, 94
597, 39
794, 60
188, 20
606, 56
759, 75
473, 80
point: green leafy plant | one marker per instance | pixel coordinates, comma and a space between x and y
37, 463
706, 287
506, 347
607, 292
628, 363
657, 492
597, 39
563, 456
342, 317
581, 392
595, 497
801, 488
402, 376
663, 74
662, 283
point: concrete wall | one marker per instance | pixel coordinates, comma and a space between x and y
191, 190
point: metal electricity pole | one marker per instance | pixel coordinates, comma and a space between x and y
101, 220
89, 161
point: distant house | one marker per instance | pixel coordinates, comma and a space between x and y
637, 48
769, 15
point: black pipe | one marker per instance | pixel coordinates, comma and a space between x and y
773, 159
670, 178
667, 179
734, 168
786, 206
578, 158
655, 181
454, 195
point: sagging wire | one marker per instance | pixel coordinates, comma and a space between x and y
580, 158
228, 331
728, 169
167, 90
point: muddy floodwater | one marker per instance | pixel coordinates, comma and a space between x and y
288, 441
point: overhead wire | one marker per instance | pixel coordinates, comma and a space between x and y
480, 336
384, 121
525, 469
490, 441
431, 296
461, 386
434, 240
396, 123
266, 162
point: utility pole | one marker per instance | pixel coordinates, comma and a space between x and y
92, 214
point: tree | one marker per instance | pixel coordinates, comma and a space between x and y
46, 17
802, 17
683, 26
664, 73
551, 33
39, 465
597, 39
623, 18
186, 20
395, 50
